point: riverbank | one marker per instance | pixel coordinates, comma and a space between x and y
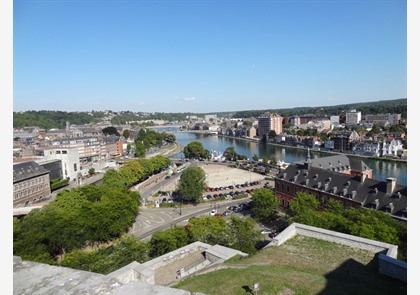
168, 151
315, 150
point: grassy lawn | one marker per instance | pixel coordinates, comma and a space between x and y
302, 265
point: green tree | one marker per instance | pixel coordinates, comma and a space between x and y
126, 133
109, 259
265, 204
192, 184
168, 240
244, 235
272, 134
195, 150
302, 203
230, 154
255, 158
140, 149
110, 130
211, 230
273, 160
91, 171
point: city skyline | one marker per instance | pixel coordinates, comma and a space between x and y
205, 56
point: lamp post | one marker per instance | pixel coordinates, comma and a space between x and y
180, 207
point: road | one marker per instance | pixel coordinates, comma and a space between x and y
151, 220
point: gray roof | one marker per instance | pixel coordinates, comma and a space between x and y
111, 138
26, 170
37, 278
369, 193
338, 163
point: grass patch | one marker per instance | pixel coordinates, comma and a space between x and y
302, 265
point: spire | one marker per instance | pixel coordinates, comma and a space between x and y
308, 160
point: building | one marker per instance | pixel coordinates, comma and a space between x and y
91, 149
31, 183
251, 132
353, 117
211, 119
69, 156
113, 146
383, 119
267, 122
342, 143
343, 179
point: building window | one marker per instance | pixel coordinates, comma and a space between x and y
287, 188
75, 167
282, 186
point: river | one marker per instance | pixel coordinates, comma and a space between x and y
381, 169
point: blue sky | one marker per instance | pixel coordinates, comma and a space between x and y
206, 56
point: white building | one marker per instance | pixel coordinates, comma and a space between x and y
392, 148
353, 117
69, 158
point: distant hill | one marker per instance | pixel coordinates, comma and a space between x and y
398, 106
57, 119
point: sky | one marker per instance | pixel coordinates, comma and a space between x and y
206, 56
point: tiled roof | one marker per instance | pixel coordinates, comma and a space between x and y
369, 193
27, 170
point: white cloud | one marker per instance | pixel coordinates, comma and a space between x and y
189, 98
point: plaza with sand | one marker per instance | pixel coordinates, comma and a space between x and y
221, 175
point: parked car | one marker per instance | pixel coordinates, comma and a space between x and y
213, 212
266, 231
227, 212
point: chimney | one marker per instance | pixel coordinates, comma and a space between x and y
344, 192
319, 184
353, 194
284, 175
326, 187
334, 190
390, 185
307, 181
364, 176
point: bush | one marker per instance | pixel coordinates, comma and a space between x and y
58, 183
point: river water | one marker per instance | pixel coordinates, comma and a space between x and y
381, 169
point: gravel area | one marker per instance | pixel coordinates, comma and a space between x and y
221, 175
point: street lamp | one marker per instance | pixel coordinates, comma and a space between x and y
180, 207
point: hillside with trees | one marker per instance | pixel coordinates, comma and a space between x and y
53, 119
85, 216
57, 119
398, 106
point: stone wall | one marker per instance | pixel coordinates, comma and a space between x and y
388, 264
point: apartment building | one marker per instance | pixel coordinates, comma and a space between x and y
353, 117
269, 121
383, 119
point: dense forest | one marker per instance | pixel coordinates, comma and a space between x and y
57, 119
53, 119
398, 106
127, 117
